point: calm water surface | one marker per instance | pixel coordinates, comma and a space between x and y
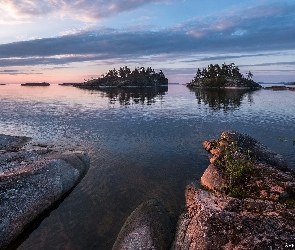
142, 144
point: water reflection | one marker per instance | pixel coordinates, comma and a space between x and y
136, 153
129, 96
223, 99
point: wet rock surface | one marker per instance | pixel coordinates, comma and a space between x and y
32, 180
148, 227
11, 143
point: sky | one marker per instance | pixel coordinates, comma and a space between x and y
71, 40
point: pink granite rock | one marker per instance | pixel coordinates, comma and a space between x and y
31, 182
215, 221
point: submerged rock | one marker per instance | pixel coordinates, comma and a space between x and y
31, 181
148, 227
12, 143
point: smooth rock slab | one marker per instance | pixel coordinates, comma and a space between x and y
31, 182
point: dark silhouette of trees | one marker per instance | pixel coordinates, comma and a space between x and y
228, 75
249, 75
125, 77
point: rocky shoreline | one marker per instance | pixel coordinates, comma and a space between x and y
32, 180
280, 88
246, 200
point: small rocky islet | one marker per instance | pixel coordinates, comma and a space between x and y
125, 77
34, 84
224, 76
214, 76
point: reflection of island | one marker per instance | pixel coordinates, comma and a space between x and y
225, 99
129, 96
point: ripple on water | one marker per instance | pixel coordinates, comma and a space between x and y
142, 150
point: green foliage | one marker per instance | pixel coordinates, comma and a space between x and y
125, 77
249, 75
235, 191
289, 201
216, 76
235, 165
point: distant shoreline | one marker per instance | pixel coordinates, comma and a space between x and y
67, 84
36, 84
282, 87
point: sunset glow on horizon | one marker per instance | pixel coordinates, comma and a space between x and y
70, 41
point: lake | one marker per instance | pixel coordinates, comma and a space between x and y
143, 144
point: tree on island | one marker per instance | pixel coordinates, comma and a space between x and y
228, 75
249, 75
125, 77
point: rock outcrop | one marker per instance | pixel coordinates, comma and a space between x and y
257, 171
148, 227
31, 181
229, 82
248, 203
216, 221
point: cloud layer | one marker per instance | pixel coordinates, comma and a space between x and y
252, 30
78, 9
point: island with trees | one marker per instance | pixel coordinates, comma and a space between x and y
224, 76
124, 77
42, 84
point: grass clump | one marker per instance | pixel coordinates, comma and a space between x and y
288, 201
236, 166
